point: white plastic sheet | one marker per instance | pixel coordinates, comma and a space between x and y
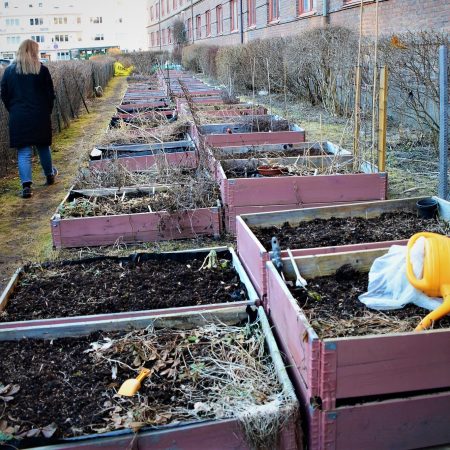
389, 287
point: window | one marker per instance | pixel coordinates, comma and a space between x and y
61, 38
78, 20
162, 8
157, 11
198, 26
151, 13
274, 9
306, 6
40, 5
60, 20
96, 19
157, 38
169, 35
12, 22
38, 38
168, 6
208, 23
152, 39
37, 21
219, 19
181, 2
63, 56
99, 37
234, 14
120, 20
13, 39
189, 28
251, 12
174, 4
6, 4
163, 37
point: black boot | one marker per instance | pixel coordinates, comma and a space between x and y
26, 190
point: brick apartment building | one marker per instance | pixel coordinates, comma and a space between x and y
225, 22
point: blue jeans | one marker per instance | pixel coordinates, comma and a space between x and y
24, 156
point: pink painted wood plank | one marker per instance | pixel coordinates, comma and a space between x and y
391, 363
252, 255
403, 424
308, 189
118, 316
257, 138
178, 159
156, 226
299, 341
220, 434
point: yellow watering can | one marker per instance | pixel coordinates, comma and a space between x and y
435, 281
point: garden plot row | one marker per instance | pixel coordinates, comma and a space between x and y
137, 192
367, 379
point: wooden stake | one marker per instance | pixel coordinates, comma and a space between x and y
374, 91
382, 119
357, 118
358, 94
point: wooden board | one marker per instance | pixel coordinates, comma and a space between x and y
129, 228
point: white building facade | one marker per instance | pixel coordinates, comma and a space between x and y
67, 29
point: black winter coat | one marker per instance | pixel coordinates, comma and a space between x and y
29, 100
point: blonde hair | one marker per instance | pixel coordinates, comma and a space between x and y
27, 58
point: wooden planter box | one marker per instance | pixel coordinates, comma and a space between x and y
254, 256
142, 107
137, 157
216, 135
371, 392
253, 195
122, 317
131, 228
193, 435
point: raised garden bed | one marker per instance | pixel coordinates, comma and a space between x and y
143, 156
212, 384
252, 130
142, 107
143, 214
243, 195
150, 119
369, 381
329, 229
119, 288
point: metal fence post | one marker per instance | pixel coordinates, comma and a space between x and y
443, 122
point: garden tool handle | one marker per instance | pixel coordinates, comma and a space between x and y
144, 373
418, 284
437, 314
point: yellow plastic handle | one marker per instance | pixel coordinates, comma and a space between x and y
418, 284
437, 314
144, 373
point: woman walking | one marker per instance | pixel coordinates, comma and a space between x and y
28, 94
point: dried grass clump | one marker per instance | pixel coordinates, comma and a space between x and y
214, 372
175, 190
134, 134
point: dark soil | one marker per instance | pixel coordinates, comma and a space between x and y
109, 287
63, 384
272, 154
343, 231
336, 297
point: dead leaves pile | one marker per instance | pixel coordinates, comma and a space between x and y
211, 372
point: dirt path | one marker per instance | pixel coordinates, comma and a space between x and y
24, 224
